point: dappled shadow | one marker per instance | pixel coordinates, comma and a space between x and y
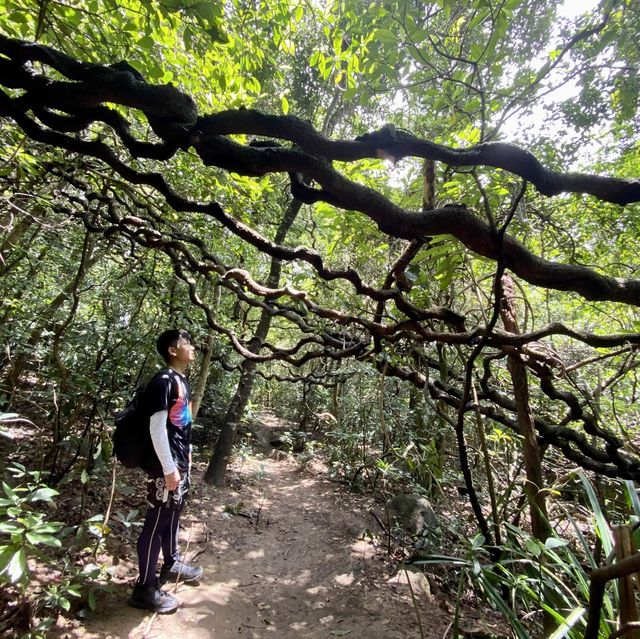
300, 568
294, 560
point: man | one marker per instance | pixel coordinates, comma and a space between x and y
167, 463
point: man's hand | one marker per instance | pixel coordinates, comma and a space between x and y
172, 480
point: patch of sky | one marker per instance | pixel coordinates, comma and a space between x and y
542, 120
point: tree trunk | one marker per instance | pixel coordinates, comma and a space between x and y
624, 547
534, 485
531, 452
12, 240
305, 411
206, 361
215, 472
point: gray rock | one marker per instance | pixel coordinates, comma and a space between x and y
413, 513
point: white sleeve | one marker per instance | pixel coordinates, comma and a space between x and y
158, 430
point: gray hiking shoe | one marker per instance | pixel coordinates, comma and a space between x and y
152, 598
180, 571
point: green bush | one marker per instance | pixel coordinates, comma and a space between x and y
26, 533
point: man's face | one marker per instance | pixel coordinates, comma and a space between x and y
184, 352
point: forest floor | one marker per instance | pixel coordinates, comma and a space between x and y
286, 554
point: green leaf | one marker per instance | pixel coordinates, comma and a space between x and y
602, 526
208, 11
17, 17
18, 470
13, 564
477, 49
48, 527
477, 542
386, 36
39, 538
156, 72
479, 18
633, 496
42, 494
217, 34
11, 527
146, 42
568, 622
533, 546
8, 491
554, 542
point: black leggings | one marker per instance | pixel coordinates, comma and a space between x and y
160, 530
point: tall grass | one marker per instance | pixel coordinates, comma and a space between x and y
532, 576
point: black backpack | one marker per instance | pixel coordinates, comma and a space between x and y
131, 437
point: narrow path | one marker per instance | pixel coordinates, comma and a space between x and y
300, 565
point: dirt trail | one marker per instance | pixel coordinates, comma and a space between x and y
301, 566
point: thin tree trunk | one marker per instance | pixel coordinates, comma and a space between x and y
12, 240
487, 468
534, 484
386, 438
531, 452
336, 401
305, 413
205, 367
222, 452
624, 547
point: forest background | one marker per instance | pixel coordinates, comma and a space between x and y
412, 223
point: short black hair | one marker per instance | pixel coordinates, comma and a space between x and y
170, 338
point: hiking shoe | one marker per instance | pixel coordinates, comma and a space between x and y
152, 598
180, 571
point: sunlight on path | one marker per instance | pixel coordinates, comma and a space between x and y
295, 560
